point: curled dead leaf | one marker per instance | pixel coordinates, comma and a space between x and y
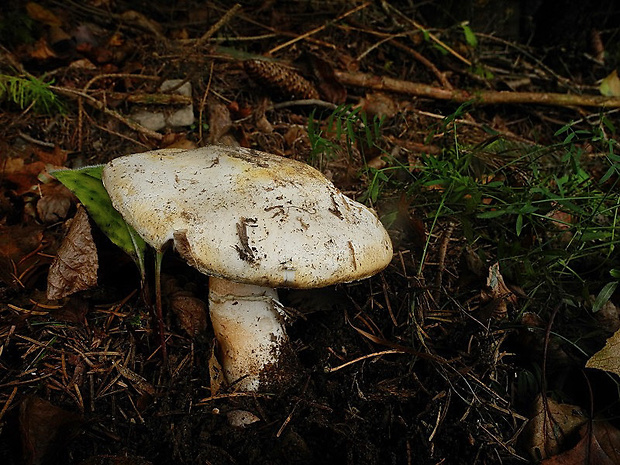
608, 358
497, 295
41, 14
551, 423
55, 202
599, 445
191, 312
44, 428
75, 266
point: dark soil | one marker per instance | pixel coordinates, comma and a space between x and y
415, 365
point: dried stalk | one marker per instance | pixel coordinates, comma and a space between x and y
478, 97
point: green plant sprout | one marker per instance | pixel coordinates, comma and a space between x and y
30, 91
347, 127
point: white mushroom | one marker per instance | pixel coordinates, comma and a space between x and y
252, 221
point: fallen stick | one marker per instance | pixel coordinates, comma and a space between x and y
478, 97
75, 94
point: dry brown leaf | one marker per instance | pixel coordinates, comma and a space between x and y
177, 141
379, 104
20, 175
608, 358
17, 252
497, 294
220, 124
56, 157
75, 266
551, 423
41, 50
608, 316
43, 427
599, 445
42, 14
191, 312
54, 203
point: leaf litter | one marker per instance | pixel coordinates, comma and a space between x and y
437, 360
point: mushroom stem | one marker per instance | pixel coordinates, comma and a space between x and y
248, 328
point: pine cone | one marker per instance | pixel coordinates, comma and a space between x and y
280, 79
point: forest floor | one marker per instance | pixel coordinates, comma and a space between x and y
491, 162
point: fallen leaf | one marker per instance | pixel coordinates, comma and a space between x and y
220, 123
599, 445
57, 157
608, 358
41, 50
55, 202
75, 267
379, 104
241, 418
497, 295
607, 315
191, 312
610, 85
21, 176
549, 426
44, 428
17, 252
42, 14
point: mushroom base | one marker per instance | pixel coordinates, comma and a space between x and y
249, 330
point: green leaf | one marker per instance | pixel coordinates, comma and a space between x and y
519, 225
603, 297
86, 184
470, 37
492, 214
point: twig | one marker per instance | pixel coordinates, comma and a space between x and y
150, 99
206, 400
425, 61
479, 97
32, 140
363, 357
308, 101
432, 36
216, 27
203, 102
7, 404
443, 248
117, 76
318, 29
71, 93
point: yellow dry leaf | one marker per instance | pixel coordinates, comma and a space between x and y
610, 86
42, 14
608, 358
549, 427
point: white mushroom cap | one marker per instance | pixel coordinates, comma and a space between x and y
248, 216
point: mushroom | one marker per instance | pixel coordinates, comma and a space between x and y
253, 222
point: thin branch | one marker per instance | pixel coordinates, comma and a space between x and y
318, 29
478, 97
